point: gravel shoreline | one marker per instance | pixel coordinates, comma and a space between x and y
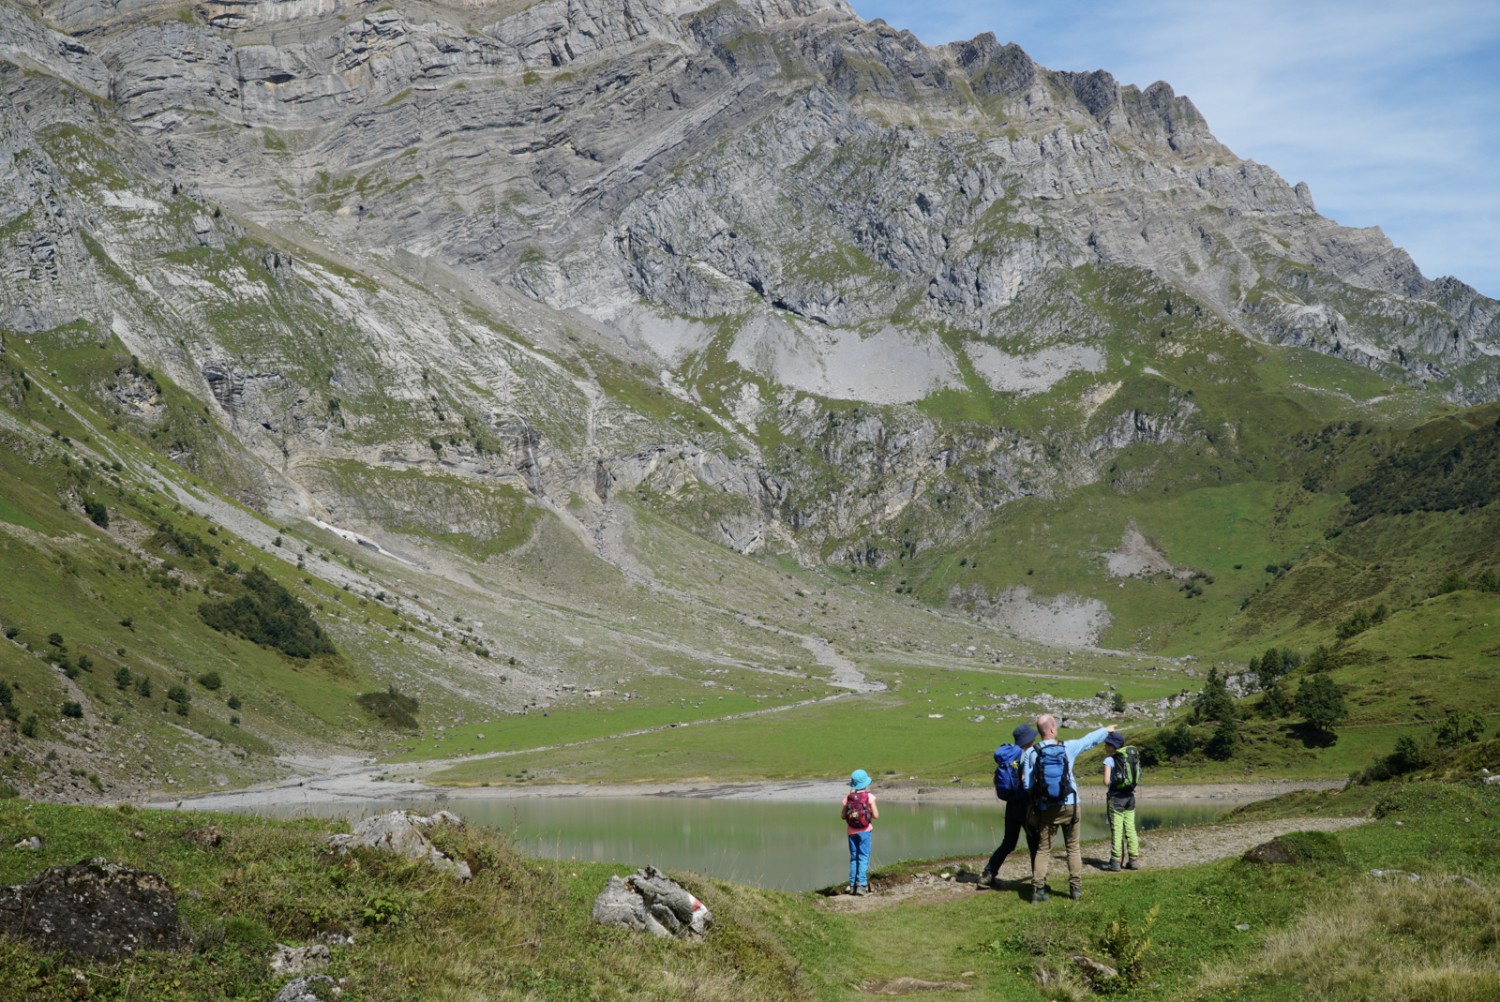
354, 781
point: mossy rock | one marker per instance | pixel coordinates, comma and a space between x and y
1316, 848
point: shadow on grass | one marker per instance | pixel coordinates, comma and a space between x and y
1310, 736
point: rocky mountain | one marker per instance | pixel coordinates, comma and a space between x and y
434, 274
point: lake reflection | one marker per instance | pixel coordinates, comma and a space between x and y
789, 846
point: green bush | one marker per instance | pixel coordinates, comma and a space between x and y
211, 681
269, 615
1461, 729
390, 707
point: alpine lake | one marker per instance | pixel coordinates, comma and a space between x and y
796, 845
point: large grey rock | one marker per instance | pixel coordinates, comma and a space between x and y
95, 909
405, 835
650, 901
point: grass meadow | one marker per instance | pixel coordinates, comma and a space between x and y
1322, 925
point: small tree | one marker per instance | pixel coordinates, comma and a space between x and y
1177, 742
1408, 757
1225, 739
1461, 729
1118, 703
1214, 701
1321, 703
123, 678
1270, 668
1277, 701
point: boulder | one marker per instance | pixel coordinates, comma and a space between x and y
314, 988
95, 909
297, 959
406, 836
649, 900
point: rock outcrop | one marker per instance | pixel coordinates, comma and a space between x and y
404, 835
403, 236
95, 909
649, 901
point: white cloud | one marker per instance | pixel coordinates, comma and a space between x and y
1384, 108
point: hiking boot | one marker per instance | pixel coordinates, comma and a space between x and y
1039, 894
1113, 866
862, 889
1076, 893
1134, 864
849, 889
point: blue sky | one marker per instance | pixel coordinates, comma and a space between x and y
1390, 111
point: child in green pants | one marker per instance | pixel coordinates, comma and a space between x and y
1122, 771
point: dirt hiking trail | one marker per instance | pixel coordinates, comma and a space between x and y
1161, 848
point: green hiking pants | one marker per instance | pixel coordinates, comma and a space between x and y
1124, 843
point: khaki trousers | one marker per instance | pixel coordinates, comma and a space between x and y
1046, 821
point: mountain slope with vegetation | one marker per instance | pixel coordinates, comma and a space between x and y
416, 372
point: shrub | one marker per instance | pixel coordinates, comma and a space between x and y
29, 725
1214, 701
178, 694
1453, 582
269, 615
390, 707
143, 686
1461, 729
97, 513
72, 709
211, 681
1224, 741
1128, 946
123, 678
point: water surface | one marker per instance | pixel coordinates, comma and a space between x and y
789, 846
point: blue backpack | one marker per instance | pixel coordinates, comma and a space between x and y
1008, 772
1050, 783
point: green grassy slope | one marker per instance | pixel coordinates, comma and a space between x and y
1322, 924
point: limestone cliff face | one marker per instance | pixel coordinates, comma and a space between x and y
433, 235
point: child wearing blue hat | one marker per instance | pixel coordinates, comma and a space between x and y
859, 813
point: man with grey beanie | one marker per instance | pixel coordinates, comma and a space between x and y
1015, 810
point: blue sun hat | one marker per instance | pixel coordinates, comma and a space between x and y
859, 779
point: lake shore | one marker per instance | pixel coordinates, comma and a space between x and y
354, 781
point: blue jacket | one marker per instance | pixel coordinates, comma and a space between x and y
1073, 748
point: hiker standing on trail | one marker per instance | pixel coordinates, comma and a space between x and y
1047, 772
1122, 771
1009, 788
859, 813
